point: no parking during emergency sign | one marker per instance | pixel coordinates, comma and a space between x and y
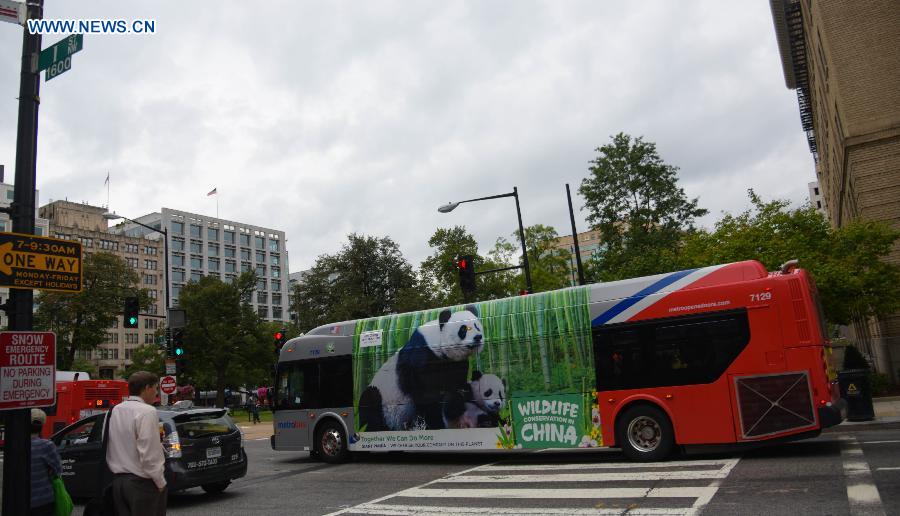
27, 369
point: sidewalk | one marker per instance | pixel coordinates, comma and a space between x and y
258, 431
887, 410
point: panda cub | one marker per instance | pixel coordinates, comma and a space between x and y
410, 390
488, 397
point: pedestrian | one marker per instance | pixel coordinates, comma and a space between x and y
249, 408
135, 454
45, 465
254, 406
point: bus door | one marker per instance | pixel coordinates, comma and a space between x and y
295, 391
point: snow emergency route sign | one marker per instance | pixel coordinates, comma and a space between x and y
27, 369
33, 262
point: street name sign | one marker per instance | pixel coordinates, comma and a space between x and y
167, 385
33, 262
58, 58
12, 11
27, 369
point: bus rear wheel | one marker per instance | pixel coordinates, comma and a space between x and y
645, 434
331, 443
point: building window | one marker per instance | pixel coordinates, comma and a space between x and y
178, 260
276, 313
214, 264
86, 242
149, 250
228, 279
819, 204
177, 228
263, 311
262, 297
276, 299
212, 249
276, 286
245, 254
195, 276
276, 272
261, 284
134, 263
273, 260
229, 237
260, 256
245, 266
195, 231
273, 246
196, 247
260, 270
229, 252
149, 279
816, 189
212, 234
148, 339
245, 239
196, 262
229, 266
260, 242
178, 276
150, 264
150, 324
176, 291
177, 244
153, 295
132, 248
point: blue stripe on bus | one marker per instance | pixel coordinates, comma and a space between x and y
625, 304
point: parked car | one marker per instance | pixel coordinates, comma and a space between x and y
203, 448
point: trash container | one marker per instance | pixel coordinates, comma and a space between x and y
855, 388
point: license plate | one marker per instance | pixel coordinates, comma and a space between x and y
212, 453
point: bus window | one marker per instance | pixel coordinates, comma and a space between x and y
336, 377
662, 353
297, 385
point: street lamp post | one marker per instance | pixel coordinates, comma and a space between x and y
165, 234
447, 208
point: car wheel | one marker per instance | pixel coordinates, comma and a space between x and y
645, 434
216, 488
331, 443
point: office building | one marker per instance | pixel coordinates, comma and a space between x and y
843, 59
588, 244
816, 199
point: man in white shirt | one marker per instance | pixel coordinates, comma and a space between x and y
134, 452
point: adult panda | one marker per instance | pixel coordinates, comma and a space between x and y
424, 383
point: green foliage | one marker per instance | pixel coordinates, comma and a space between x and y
81, 364
880, 383
368, 277
853, 359
853, 280
81, 320
633, 198
550, 266
147, 357
225, 343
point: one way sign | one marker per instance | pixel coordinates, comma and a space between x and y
33, 262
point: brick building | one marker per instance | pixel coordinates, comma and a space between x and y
843, 59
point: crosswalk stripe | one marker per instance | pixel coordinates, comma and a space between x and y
600, 492
419, 510
609, 465
590, 477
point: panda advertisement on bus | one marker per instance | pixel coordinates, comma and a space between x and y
461, 377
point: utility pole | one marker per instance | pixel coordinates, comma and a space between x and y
17, 450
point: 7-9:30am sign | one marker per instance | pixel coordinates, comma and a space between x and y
33, 262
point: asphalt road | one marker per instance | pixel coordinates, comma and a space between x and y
852, 471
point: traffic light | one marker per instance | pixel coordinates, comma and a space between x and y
176, 348
132, 307
466, 266
279, 339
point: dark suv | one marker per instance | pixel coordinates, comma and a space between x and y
203, 448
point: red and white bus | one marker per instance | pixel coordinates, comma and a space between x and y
82, 398
722, 354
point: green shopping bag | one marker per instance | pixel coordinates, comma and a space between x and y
61, 496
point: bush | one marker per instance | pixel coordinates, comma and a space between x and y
853, 359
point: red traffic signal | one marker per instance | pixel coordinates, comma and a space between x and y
466, 265
278, 335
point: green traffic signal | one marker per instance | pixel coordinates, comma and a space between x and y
132, 320
179, 351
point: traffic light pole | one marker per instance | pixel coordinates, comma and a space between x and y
17, 450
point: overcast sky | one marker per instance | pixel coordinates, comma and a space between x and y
326, 118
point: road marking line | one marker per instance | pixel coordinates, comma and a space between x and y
611, 465
879, 442
862, 494
429, 510
590, 477
876, 469
589, 493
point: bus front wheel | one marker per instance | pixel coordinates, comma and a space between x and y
645, 434
331, 443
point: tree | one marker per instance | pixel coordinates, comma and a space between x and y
147, 357
633, 199
225, 343
81, 320
368, 277
847, 262
550, 265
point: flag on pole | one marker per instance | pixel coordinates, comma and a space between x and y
107, 179
213, 192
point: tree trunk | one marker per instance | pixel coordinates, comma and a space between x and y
220, 387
